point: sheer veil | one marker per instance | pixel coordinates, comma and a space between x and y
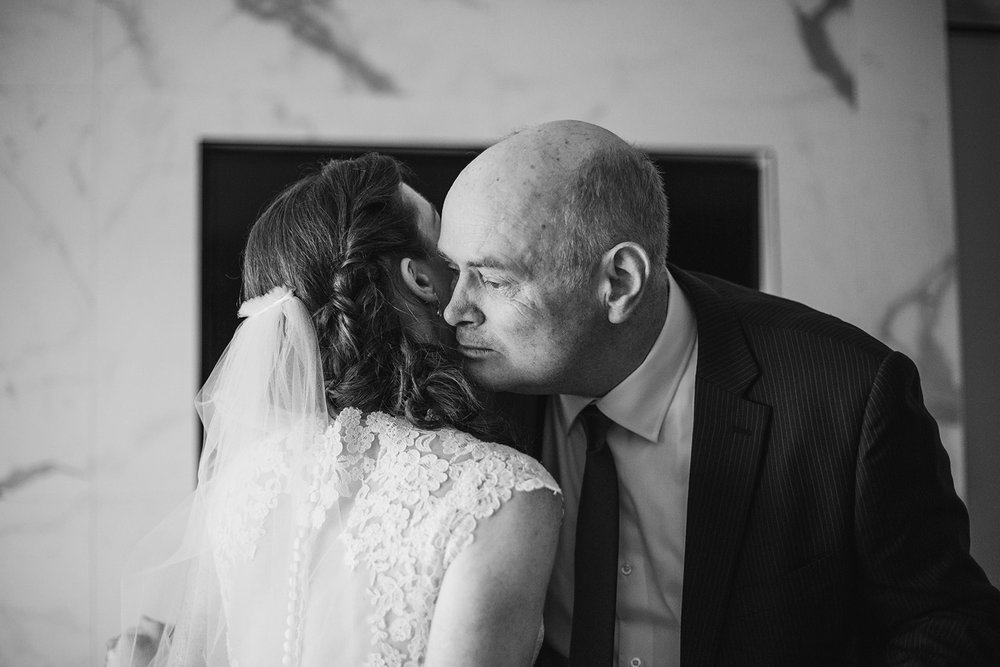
263, 401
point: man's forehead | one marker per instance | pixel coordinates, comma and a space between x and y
522, 202
516, 246
484, 239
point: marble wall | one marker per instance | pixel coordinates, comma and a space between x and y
102, 106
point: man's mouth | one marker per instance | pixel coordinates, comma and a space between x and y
473, 352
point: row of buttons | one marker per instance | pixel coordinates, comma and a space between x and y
626, 570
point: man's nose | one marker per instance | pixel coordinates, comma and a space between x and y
461, 308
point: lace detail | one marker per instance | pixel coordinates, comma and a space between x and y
411, 502
417, 511
243, 500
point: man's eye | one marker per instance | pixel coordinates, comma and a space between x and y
492, 284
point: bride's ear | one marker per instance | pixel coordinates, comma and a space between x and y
417, 279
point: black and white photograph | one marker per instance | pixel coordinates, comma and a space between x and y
528, 333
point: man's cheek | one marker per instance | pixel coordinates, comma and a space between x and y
524, 310
522, 326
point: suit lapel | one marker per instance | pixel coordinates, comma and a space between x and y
727, 444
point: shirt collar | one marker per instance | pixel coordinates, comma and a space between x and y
639, 403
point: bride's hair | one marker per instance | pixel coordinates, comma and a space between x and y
336, 237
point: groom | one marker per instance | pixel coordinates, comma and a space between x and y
782, 494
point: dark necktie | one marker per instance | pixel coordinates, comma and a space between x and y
595, 587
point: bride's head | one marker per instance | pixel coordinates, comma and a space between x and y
358, 247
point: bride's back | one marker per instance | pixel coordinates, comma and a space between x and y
365, 525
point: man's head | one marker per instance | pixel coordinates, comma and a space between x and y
558, 236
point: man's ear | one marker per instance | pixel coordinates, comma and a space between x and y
417, 279
625, 270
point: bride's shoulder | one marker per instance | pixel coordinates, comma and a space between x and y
471, 463
488, 476
470, 478
484, 458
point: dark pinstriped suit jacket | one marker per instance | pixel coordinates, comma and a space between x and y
823, 525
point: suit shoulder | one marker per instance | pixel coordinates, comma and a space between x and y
772, 320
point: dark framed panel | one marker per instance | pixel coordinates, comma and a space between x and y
716, 203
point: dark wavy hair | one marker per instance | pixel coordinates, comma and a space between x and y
336, 237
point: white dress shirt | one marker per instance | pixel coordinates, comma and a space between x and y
650, 440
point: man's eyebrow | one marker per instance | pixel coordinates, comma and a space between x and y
484, 263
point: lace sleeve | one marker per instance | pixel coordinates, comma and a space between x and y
418, 502
486, 476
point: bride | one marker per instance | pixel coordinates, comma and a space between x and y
352, 506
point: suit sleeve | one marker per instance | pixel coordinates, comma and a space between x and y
929, 602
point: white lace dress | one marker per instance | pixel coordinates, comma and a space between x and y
337, 557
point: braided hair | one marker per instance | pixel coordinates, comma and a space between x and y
336, 237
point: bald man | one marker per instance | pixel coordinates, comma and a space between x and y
782, 493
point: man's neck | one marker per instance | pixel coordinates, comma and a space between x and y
632, 343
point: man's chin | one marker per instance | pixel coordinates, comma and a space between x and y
499, 380
485, 374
